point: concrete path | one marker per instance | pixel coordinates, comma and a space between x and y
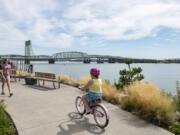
42, 111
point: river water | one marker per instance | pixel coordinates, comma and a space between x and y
162, 75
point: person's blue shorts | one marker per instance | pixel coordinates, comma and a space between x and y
92, 97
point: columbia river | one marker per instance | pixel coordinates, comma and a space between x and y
162, 75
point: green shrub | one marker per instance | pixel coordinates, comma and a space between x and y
5, 124
5, 131
128, 76
175, 128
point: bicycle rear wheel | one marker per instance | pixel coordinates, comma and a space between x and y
101, 116
80, 105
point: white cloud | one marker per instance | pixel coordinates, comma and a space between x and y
61, 40
57, 23
23, 20
120, 19
10, 37
40, 28
27, 9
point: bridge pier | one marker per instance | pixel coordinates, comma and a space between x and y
21, 64
86, 61
111, 60
51, 61
120, 60
26, 61
100, 60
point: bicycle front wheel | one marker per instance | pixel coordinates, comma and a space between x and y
80, 105
101, 116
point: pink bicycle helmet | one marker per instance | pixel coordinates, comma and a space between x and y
95, 72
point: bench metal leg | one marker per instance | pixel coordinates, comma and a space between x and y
59, 84
39, 83
54, 85
43, 82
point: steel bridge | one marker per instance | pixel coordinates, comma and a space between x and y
51, 59
67, 56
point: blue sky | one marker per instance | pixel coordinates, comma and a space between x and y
129, 28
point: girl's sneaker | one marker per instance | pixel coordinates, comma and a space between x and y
10, 95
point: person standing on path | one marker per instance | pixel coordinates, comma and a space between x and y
6, 76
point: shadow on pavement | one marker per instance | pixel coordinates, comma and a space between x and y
41, 88
78, 124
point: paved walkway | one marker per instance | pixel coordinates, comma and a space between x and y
42, 111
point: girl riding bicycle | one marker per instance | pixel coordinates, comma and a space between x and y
95, 89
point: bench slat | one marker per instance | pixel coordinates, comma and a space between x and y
45, 75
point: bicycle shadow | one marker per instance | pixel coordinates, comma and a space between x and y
78, 124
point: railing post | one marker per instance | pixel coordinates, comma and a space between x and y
177, 86
178, 89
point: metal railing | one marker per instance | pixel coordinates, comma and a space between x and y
178, 87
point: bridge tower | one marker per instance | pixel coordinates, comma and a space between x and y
28, 51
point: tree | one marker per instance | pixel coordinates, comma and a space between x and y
128, 62
128, 76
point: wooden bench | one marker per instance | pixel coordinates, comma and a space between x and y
50, 77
